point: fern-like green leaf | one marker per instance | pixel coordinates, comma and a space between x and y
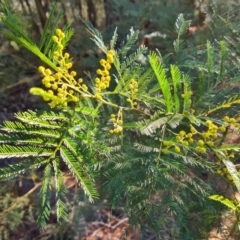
13, 23
224, 201
8, 151
31, 118
210, 63
60, 191
176, 78
45, 197
46, 42
78, 170
13, 170
96, 36
162, 81
187, 94
132, 58
230, 167
114, 39
131, 39
181, 26
223, 55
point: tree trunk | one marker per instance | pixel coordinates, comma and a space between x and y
41, 12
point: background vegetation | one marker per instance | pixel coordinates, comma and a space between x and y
211, 22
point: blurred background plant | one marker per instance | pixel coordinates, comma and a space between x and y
211, 21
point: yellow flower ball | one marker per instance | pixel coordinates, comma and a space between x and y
222, 129
75, 99
208, 122
177, 149
203, 150
41, 69
210, 143
110, 59
135, 90
190, 140
102, 62
62, 35
105, 73
55, 38
232, 120
108, 78
111, 52
66, 55
60, 47
178, 138
64, 104
46, 99
166, 143
99, 71
54, 86
73, 73
48, 72
58, 31
165, 151
98, 96
58, 75
214, 135
97, 80
182, 133
69, 65
193, 130
107, 66
214, 127
229, 177
56, 54
226, 119
120, 122
198, 149
84, 87
189, 135
200, 143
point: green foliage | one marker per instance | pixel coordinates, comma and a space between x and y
43, 140
150, 133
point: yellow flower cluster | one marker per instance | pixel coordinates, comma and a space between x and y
62, 85
208, 136
222, 170
184, 138
133, 88
231, 121
117, 122
224, 173
168, 144
187, 93
103, 81
187, 139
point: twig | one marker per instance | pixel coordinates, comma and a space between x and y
19, 198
